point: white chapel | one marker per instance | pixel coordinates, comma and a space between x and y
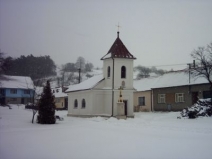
98, 96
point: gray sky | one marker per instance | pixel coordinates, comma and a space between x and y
155, 32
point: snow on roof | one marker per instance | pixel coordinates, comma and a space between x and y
171, 79
22, 82
87, 84
144, 84
57, 92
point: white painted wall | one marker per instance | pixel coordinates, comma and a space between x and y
118, 63
126, 95
99, 99
79, 96
98, 102
106, 63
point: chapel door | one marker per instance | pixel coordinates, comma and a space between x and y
125, 107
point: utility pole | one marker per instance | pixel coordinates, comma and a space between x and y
79, 74
189, 70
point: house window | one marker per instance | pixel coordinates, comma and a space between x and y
179, 97
207, 94
123, 72
83, 103
75, 103
13, 99
57, 100
161, 98
108, 71
26, 91
141, 101
2, 92
13, 91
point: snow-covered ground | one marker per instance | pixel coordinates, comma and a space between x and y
147, 136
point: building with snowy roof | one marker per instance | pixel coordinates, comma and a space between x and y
16, 90
61, 98
172, 91
98, 96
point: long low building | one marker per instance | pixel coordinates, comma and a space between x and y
172, 91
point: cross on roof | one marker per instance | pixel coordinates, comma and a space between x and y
118, 26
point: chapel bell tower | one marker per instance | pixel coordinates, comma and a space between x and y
118, 66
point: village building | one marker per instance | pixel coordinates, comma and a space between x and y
98, 96
143, 94
172, 91
61, 98
16, 90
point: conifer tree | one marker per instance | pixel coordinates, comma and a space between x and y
46, 106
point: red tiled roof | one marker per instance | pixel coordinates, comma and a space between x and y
118, 50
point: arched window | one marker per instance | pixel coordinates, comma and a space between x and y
123, 72
83, 103
108, 71
75, 103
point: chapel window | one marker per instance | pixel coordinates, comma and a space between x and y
83, 103
75, 103
123, 72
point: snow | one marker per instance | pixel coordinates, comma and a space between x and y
87, 84
171, 79
39, 90
108, 55
58, 93
144, 84
148, 135
22, 82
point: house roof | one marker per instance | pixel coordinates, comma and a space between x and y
22, 82
85, 85
118, 50
171, 79
144, 84
57, 92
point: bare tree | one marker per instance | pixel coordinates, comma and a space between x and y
143, 72
203, 58
88, 67
80, 64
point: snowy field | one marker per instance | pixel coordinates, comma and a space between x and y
147, 136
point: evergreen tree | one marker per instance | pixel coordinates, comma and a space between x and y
35, 67
46, 106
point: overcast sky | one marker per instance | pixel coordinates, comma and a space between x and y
155, 32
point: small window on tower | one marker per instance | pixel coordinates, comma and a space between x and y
108, 72
123, 72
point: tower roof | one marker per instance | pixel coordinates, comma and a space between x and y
118, 50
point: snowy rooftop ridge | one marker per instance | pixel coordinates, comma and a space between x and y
87, 84
22, 82
57, 92
170, 79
